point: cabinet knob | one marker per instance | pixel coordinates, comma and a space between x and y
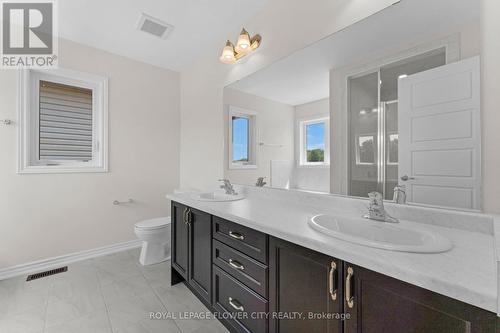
349, 298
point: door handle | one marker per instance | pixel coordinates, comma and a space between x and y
236, 235
235, 304
348, 288
332, 290
405, 178
237, 265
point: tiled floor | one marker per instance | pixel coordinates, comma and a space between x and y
111, 294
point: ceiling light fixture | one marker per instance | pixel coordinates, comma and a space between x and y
244, 46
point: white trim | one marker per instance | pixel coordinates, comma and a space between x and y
252, 140
51, 263
27, 157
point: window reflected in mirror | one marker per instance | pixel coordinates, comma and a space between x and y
366, 150
240, 139
314, 148
315, 143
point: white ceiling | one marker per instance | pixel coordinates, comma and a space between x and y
200, 25
304, 76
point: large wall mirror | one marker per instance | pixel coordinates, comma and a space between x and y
392, 102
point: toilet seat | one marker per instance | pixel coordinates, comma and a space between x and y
153, 224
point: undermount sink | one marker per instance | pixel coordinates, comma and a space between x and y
217, 197
404, 236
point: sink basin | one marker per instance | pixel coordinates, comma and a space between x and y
217, 197
405, 236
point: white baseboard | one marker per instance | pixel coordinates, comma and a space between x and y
51, 263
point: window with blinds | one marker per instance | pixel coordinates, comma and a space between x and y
65, 123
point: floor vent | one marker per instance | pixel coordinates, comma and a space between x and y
47, 273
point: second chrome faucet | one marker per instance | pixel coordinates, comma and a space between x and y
376, 210
228, 187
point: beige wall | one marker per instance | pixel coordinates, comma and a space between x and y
46, 215
202, 132
274, 126
490, 26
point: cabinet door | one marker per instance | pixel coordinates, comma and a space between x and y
306, 282
380, 304
180, 239
200, 254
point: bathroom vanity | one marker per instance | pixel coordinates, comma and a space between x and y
258, 260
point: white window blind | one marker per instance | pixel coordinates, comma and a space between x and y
65, 131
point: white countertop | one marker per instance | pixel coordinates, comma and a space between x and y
468, 272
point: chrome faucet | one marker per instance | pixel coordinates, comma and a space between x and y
260, 182
228, 187
376, 210
400, 194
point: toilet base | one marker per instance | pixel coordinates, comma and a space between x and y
154, 253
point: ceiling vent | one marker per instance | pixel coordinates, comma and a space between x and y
154, 26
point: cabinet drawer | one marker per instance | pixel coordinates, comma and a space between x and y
246, 240
230, 296
247, 270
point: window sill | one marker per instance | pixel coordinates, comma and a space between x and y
60, 169
242, 166
314, 166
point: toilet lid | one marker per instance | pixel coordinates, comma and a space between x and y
157, 223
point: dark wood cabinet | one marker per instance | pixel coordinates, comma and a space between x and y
381, 304
306, 282
290, 289
192, 249
200, 252
179, 241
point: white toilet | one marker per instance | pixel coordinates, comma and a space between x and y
155, 236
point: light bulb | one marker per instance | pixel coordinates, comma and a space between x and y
227, 56
243, 44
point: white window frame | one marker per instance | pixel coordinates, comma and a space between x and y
28, 111
388, 162
302, 124
252, 139
358, 152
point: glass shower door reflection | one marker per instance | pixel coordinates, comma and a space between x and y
363, 135
390, 116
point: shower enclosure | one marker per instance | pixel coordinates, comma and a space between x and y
373, 123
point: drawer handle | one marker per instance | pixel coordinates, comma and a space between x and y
235, 304
237, 265
348, 291
332, 289
236, 235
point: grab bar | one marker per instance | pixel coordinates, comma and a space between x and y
116, 202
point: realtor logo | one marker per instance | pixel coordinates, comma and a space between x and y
28, 34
